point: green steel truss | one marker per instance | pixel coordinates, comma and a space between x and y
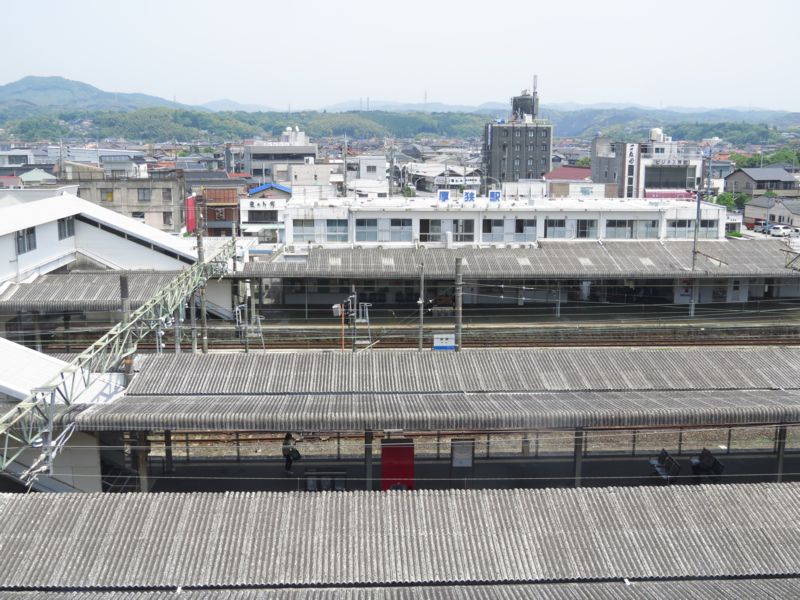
32, 423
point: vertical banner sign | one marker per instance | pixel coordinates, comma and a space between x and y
631, 169
444, 195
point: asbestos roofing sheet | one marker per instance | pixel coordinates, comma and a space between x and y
82, 291
337, 539
734, 589
435, 412
568, 259
506, 370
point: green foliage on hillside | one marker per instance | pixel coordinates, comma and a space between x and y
165, 124
784, 155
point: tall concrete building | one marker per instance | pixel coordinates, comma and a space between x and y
519, 147
657, 168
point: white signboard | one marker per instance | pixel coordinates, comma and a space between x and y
469, 195
444, 195
494, 195
444, 341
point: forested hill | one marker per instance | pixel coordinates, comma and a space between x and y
165, 124
46, 108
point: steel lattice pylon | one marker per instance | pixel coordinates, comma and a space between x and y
32, 422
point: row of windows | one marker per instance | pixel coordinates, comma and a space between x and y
25, 239
142, 194
531, 132
494, 230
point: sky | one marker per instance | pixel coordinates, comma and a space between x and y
313, 53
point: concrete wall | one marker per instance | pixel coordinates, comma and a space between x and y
126, 200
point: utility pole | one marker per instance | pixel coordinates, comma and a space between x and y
200, 223
695, 286
421, 302
344, 168
459, 301
125, 301
353, 316
193, 321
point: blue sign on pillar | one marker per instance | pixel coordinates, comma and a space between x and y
494, 195
444, 195
469, 195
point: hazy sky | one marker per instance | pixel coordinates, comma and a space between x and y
312, 53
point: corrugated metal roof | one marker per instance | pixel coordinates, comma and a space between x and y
735, 589
435, 412
399, 538
552, 259
506, 370
82, 291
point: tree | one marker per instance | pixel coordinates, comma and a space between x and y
584, 162
727, 199
770, 194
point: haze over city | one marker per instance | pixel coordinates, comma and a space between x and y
314, 54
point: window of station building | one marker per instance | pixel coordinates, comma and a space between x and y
505, 132
629, 229
25, 240
518, 133
137, 215
531, 132
463, 230
542, 160
516, 164
524, 230
366, 230
708, 228
555, 228
372, 169
166, 194
544, 132
106, 194
530, 162
144, 194
430, 230
586, 229
66, 228
517, 147
336, 230
303, 230
544, 147
493, 230
400, 230
680, 229
530, 147
166, 217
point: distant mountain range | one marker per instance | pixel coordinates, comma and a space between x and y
50, 107
59, 93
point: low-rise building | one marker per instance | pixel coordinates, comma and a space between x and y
757, 182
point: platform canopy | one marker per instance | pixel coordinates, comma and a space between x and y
549, 259
489, 390
81, 291
557, 537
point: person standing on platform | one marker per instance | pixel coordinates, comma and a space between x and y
290, 453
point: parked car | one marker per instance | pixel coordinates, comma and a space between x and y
780, 230
762, 227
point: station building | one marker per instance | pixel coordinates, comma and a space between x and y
519, 250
